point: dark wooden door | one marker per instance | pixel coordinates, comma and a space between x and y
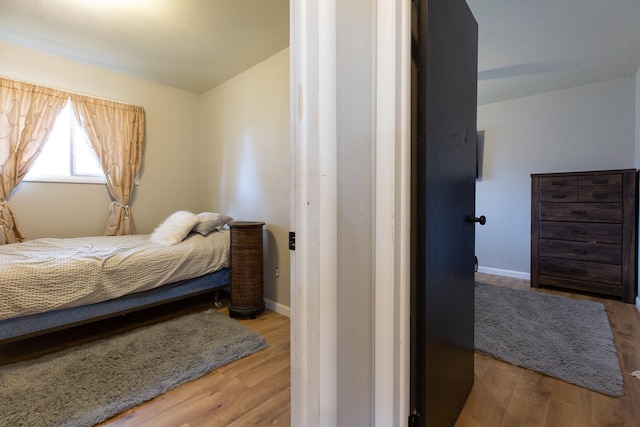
444, 92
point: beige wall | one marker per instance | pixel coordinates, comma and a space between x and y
169, 180
246, 160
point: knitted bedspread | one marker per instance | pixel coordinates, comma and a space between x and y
47, 274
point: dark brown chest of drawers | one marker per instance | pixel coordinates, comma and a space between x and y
583, 232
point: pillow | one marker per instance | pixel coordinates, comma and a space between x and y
174, 229
210, 221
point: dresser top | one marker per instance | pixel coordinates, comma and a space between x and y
598, 172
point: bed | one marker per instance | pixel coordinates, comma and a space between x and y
50, 284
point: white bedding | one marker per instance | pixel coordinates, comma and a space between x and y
46, 274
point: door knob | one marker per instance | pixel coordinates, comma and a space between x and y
482, 220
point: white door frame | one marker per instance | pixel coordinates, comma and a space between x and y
392, 213
314, 281
314, 381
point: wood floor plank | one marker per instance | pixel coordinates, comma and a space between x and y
529, 403
231, 392
204, 405
494, 384
258, 373
567, 405
244, 402
272, 412
561, 404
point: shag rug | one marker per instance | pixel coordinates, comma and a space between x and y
565, 338
89, 384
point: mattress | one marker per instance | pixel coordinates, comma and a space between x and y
48, 274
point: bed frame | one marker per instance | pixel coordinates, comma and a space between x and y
41, 323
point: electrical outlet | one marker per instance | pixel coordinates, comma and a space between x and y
277, 272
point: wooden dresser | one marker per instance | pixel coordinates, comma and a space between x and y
583, 232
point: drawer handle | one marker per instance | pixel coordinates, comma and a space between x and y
578, 231
576, 212
600, 181
600, 196
579, 251
559, 196
563, 182
577, 270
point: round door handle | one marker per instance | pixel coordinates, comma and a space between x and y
482, 220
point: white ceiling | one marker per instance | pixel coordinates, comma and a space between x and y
525, 46
535, 46
190, 44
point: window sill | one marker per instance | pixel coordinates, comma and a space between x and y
72, 179
67, 179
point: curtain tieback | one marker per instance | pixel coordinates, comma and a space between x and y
3, 222
126, 208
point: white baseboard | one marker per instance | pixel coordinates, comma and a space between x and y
507, 273
277, 307
638, 303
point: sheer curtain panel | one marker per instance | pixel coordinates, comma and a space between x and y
116, 133
27, 115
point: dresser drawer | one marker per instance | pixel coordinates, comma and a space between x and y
580, 270
582, 251
581, 212
600, 188
581, 231
584, 231
559, 189
615, 290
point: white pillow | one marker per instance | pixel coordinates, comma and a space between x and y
174, 229
210, 221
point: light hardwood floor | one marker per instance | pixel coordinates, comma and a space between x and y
253, 391
256, 390
504, 395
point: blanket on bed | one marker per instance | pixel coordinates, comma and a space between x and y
46, 274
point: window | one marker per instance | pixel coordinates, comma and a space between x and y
67, 155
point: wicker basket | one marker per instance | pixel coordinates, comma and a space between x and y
246, 297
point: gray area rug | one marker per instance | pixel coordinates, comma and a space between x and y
85, 385
561, 337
